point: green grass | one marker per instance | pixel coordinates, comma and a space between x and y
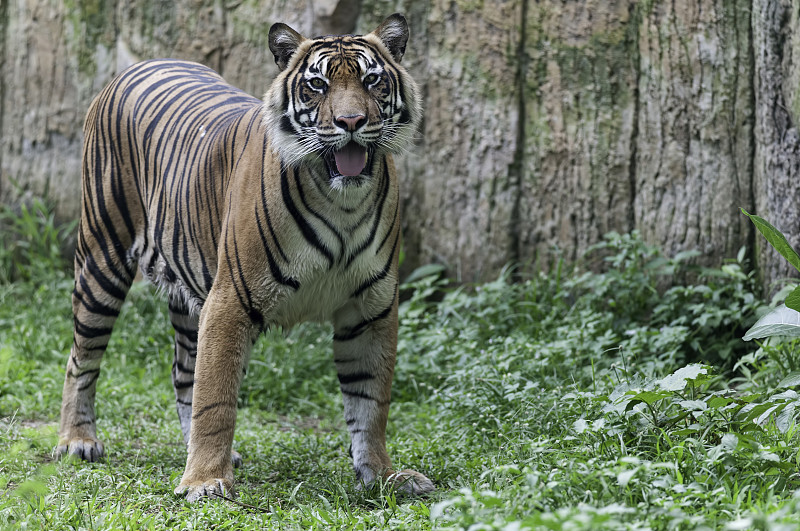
569, 400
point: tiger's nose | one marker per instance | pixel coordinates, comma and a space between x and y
350, 122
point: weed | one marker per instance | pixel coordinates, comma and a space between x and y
31, 242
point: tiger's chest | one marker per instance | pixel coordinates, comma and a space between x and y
359, 271
321, 295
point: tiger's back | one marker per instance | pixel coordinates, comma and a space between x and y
250, 214
165, 210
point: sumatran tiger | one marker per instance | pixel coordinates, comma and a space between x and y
249, 214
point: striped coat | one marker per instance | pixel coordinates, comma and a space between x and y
248, 214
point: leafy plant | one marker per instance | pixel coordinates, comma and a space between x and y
537, 404
31, 242
785, 319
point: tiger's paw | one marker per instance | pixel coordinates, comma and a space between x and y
85, 448
212, 488
410, 482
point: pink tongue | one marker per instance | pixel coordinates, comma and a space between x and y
351, 159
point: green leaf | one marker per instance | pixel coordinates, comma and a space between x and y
775, 238
718, 402
758, 411
423, 271
791, 380
678, 380
624, 477
793, 299
785, 420
648, 397
781, 321
693, 405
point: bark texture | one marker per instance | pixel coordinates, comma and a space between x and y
548, 123
695, 139
776, 180
580, 129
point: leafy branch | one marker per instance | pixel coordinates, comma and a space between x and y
785, 319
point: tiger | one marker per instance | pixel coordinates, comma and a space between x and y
249, 214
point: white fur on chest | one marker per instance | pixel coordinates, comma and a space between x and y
324, 291
359, 252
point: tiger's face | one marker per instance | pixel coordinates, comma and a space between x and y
341, 102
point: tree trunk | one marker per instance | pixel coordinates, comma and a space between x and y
776, 180
580, 106
696, 118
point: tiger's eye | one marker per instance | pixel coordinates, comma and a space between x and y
371, 79
317, 83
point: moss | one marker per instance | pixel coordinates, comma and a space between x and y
466, 6
91, 22
249, 27
592, 83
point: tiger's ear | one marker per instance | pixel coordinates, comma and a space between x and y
393, 32
283, 42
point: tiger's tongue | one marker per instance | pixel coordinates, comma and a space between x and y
351, 159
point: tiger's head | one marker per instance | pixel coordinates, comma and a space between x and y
340, 102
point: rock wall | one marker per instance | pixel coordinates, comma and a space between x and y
548, 123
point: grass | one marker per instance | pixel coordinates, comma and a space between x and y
569, 400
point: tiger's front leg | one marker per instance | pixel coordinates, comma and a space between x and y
225, 338
364, 350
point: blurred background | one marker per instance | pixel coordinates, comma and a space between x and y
548, 123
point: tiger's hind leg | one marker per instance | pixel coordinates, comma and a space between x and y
101, 285
186, 326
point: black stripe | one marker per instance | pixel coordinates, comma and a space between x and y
178, 308
353, 332
381, 274
364, 396
188, 348
376, 223
90, 332
93, 305
308, 232
247, 293
188, 333
96, 214
182, 385
217, 432
181, 367
92, 268
256, 317
264, 204
208, 408
121, 202
345, 379
86, 385
391, 227
274, 269
325, 221
286, 125
230, 228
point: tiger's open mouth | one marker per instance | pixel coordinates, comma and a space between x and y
348, 164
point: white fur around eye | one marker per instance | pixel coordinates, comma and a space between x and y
371, 77
317, 83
